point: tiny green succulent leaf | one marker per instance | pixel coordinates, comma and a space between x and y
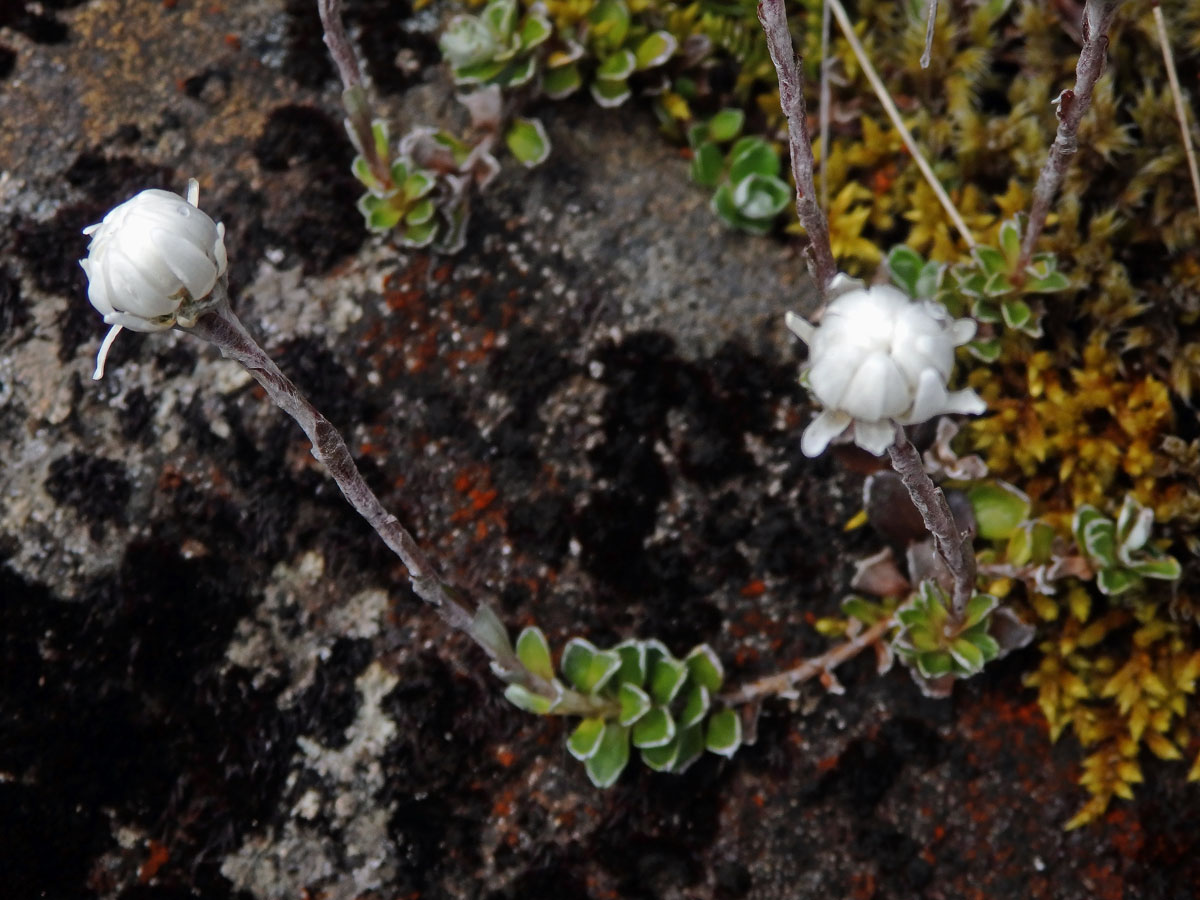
761, 197
987, 350
707, 164
586, 667
986, 311
1165, 569
655, 729
929, 279
1051, 283
724, 733
722, 204
562, 81
921, 637
416, 185
362, 172
725, 125
1113, 581
501, 17
1084, 515
534, 652
999, 508
978, 608
1010, 243
695, 708
987, 644
610, 22
691, 747
608, 93
617, 67
635, 703
480, 72
534, 30
705, 667
655, 49
1017, 314
1134, 522
523, 698
998, 284
752, 156
863, 610
381, 215
662, 759
904, 265
667, 677
528, 142
420, 212
991, 261
1099, 541
967, 655
935, 663
604, 766
419, 235
585, 739
519, 73
633, 662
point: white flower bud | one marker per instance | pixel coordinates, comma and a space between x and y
147, 257
467, 41
878, 360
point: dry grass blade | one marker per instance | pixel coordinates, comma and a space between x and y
1177, 95
930, 24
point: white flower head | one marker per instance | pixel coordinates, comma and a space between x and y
877, 360
147, 257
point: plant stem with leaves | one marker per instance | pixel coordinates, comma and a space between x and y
951, 544
1072, 105
791, 98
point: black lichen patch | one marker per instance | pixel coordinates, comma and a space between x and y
301, 135
397, 57
210, 86
114, 710
33, 21
8, 61
13, 314
108, 181
95, 487
331, 702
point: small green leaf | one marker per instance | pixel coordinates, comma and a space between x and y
978, 608
695, 708
987, 351
501, 17
1134, 523
561, 82
725, 125
655, 729
667, 676
604, 766
707, 165
379, 213
987, 644
655, 49
635, 703
661, 759
617, 67
864, 610
1010, 243
929, 280
585, 739
761, 197
1165, 569
1099, 540
362, 172
608, 93
935, 663
724, 734
998, 284
967, 655
587, 668
610, 22
991, 260
479, 73
904, 265
705, 667
416, 185
421, 212
1084, 516
691, 747
419, 235
528, 142
1052, 283
534, 30
921, 637
633, 662
1017, 313
1112, 582
379, 130
999, 508
519, 73
752, 156
534, 652
523, 698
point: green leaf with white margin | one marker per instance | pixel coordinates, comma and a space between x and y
1099, 540
655, 729
534, 30
991, 260
661, 759
667, 677
416, 185
999, 508
562, 81
691, 747
967, 655
1134, 522
634, 702
528, 142
929, 279
904, 265
586, 667
987, 644
761, 197
654, 50
695, 707
722, 204
978, 609
608, 93
633, 662
1113, 582
617, 67
864, 610
523, 698
1165, 569
1017, 314
585, 739
725, 125
987, 350
1010, 243
501, 17
519, 73
1050, 284
705, 667
534, 652
752, 156
419, 235
421, 212
935, 663
380, 215
1084, 515
724, 734
362, 172
479, 73
604, 767
707, 164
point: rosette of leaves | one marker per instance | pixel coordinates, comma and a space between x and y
642, 699
1121, 551
498, 46
749, 192
931, 641
404, 202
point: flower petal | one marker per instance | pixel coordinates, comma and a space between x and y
821, 430
800, 327
874, 437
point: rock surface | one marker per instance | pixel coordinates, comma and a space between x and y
216, 681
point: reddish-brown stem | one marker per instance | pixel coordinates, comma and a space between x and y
1072, 105
784, 683
791, 99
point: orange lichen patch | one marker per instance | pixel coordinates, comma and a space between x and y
154, 861
754, 588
